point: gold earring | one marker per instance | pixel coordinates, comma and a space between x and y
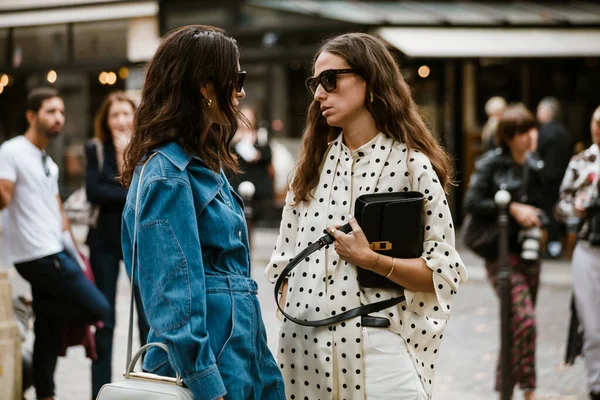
207, 102
372, 97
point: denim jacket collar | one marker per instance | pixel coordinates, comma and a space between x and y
176, 154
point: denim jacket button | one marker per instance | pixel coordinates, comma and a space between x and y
240, 234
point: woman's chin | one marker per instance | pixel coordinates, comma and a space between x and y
333, 122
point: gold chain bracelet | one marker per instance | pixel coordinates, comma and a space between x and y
393, 267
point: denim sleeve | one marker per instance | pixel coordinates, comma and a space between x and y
172, 284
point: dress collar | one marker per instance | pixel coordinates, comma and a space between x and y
363, 151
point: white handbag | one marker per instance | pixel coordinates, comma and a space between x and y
142, 385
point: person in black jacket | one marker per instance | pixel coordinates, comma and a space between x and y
104, 156
251, 145
555, 149
512, 167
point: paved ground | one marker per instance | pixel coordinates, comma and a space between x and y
467, 359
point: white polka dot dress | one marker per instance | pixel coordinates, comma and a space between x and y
327, 362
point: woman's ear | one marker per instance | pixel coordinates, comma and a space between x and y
208, 90
204, 90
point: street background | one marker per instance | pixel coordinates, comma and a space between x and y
466, 365
455, 56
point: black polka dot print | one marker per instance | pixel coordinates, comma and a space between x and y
323, 286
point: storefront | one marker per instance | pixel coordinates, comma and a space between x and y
456, 55
86, 50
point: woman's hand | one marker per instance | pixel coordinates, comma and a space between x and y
526, 216
284, 292
353, 247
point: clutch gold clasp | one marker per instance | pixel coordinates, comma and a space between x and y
381, 246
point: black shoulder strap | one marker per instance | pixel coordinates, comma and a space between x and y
355, 312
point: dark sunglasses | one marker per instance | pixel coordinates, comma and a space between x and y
239, 85
327, 79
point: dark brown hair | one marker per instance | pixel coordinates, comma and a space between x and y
515, 120
37, 96
393, 110
101, 129
172, 106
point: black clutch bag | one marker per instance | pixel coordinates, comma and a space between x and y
393, 224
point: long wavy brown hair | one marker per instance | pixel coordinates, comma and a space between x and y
101, 129
393, 109
172, 108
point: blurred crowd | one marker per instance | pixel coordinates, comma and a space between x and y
553, 212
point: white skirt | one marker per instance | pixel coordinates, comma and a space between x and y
389, 370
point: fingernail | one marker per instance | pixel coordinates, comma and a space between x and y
350, 216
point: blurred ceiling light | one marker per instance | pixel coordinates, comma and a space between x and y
1, 88
52, 76
424, 71
111, 78
103, 77
4, 80
123, 72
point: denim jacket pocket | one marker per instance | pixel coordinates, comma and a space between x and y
163, 277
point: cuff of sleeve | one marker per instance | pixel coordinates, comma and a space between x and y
207, 384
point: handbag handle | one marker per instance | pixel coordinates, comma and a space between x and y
130, 373
323, 241
129, 362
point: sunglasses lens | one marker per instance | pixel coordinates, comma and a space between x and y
311, 84
328, 81
240, 82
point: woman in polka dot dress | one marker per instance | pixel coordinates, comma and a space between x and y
363, 135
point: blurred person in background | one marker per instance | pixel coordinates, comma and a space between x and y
40, 243
580, 198
251, 145
510, 167
104, 164
193, 260
555, 148
493, 109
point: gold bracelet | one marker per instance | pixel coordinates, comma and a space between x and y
376, 263
393, 267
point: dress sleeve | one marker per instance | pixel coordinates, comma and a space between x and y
285, 248
438, 247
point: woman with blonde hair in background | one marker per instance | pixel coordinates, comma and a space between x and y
104, 164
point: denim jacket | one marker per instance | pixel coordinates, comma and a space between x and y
191, 227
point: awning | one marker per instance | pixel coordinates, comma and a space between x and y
79, 13
493, 42
444, 13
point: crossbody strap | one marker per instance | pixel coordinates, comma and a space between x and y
325, 240
134, 246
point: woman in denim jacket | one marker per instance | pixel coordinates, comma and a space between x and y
193, 263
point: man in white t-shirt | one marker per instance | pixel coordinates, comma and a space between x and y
38, 238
